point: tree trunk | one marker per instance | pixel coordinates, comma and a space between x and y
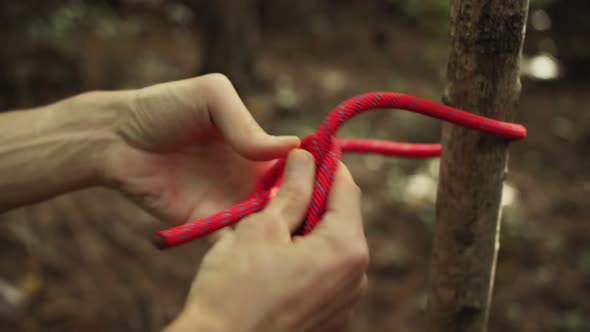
483, 77
231, 39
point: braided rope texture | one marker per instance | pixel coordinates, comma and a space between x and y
327, 149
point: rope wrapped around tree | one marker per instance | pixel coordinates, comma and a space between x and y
327, 150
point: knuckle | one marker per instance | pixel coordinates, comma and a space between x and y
348, 258
363, 287
270, 214
357, 258
217, 80
294, 192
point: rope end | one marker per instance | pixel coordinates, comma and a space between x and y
159, 241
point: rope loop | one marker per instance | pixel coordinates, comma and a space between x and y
327, 150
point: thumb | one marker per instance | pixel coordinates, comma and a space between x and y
262, 146
248, 139
295, 192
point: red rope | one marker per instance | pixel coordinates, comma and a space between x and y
327, 149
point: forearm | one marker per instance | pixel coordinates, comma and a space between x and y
50, 150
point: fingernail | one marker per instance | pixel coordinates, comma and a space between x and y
300, 164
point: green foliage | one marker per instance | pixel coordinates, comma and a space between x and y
570, 321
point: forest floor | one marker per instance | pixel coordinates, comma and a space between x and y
84, 262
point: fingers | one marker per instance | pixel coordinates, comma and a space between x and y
344, 204
286, 211
339, 237
237, 125
294, 194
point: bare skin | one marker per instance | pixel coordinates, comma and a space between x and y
183, 150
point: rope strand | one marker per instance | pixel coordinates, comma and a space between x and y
327, 150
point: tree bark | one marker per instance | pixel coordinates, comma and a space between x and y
482, 77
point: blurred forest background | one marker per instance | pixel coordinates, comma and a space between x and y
83, 261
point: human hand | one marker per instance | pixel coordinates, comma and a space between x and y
189, 148
258, 278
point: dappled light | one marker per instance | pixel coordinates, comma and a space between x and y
83, 261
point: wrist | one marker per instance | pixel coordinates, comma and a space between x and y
58, 148
85, 126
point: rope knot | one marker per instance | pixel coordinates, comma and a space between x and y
327, 149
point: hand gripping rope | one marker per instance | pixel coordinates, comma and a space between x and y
327, 150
